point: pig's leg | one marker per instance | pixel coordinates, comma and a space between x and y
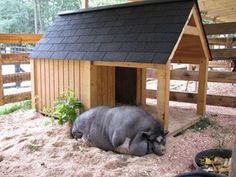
139, 145
120, 142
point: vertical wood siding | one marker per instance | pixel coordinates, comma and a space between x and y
93, 85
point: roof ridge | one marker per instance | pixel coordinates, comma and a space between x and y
124, 5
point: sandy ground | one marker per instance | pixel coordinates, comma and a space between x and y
32, 146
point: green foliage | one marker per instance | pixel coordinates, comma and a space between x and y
17, 16
203, 123
66, 106
220, 134
9, 108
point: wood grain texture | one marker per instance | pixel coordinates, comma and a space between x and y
214, 100
9, 78
33, 81
11, 58
17, 97
19, 38
163, 78
220, 28
1, 83
202, 87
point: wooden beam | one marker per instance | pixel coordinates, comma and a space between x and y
213, 76
19, 38
220, 28
223, 54
163, 77
214, 100
189, 20
33, 83
128, 64
17, 77
233, 164
202, 87
139, 87
1, 83
15, 58
143, 88
86, 83
191, 30
222, 41
185, 59
17, 97
217, 41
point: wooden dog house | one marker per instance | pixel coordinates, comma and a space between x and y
103, 53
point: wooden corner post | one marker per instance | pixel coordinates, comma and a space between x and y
33, 90
1, 83
202, 88
163, 78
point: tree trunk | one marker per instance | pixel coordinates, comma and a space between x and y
35, 17
233, 165
40, 18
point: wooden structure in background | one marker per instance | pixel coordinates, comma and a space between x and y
218, 10
94, 79
10, 58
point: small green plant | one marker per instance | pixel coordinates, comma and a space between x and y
9, 108
66, 106
203, 123
220, 134
49, 112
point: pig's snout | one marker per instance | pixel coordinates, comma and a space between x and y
158, 149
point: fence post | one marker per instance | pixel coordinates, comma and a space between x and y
1, 82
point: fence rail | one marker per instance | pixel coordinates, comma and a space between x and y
185, 75
15, 58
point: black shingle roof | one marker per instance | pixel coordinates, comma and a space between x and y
136, 32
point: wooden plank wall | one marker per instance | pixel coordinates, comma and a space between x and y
103, 85
93, 85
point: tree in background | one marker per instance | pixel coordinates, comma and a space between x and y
16, 16
34, 16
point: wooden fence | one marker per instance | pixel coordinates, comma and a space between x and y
14, 58
213, 76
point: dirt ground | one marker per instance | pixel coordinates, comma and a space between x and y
30, 145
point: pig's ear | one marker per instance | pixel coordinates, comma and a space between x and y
166, 132
146, 134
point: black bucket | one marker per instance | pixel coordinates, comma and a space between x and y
199, 174
224, 153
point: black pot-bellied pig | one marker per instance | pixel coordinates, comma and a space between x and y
124, 129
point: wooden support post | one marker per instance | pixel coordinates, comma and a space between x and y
163, 78
202, 87
1, 83
33, 84
233, 165
86, 84
139, 86
229, 45
143, 86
